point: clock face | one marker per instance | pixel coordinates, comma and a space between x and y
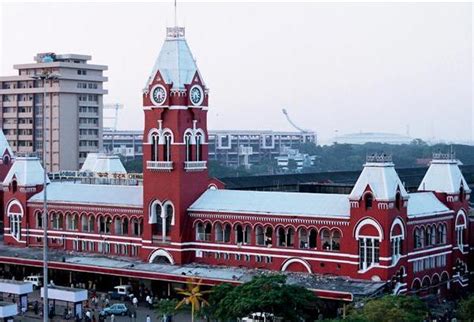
158, 95
197, 95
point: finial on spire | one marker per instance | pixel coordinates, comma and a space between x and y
175, 32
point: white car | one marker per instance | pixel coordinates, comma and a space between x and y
37, 281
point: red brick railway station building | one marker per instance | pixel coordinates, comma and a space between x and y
182, 223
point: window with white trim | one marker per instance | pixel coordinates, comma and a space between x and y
369, 252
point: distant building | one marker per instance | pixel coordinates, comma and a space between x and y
299, 160
232, 148
74, 126
372, 137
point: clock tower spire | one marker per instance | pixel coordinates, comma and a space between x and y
175, 102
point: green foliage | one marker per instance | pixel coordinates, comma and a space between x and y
166, 306
133, 165
264, 293
391, 309
466, 309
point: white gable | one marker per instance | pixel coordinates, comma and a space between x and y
273, 203
382, 179
175, 63
444, 176
27, 170
425, 204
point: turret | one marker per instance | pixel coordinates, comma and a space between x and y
24, 179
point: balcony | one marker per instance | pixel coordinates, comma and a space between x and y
159, 165
195, 165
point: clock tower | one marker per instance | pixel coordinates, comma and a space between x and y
175, 103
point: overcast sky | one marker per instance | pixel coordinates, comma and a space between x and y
335, 67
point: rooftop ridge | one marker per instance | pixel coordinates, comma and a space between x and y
379, 158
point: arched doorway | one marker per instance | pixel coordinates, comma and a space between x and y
161, 256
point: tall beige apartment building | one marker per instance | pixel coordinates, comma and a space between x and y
73, 110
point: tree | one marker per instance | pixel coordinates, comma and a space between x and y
466, 309
263, 294
192, 295
166, 307
391, 309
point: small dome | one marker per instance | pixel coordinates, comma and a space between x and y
47, 59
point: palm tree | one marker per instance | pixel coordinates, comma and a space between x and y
192, 295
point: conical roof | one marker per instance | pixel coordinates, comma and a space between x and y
175, 61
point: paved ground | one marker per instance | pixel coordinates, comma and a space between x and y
142, 312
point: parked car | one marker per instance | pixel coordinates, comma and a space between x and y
122, 293
116, 309
37, 281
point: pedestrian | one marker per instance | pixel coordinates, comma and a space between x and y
112, 318
36, 307
148, 319
135, 302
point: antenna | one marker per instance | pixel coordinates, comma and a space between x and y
175, 13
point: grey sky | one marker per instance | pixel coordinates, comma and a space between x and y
347, 67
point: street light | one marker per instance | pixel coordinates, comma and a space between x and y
44, 76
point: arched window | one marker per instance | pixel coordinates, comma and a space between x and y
227, 231
417, 238
199, 147
326, 239
397, 234
259, 236
461, 193
268, 236
335, 240
118, 226
281, 235
154, 147
188, 147
460, 229
169, 217
290, 237
368, 234
136, 227
442, 233
422, 237
304, 238
313, 237
167, 147
207, 232
200, 232
84, 223
91, 223
433, 235
15, 215
60, 221
247, 235
219, 233
125, 226
428, 236
368, 200
14, 186
239, 234
398, 201
39, 219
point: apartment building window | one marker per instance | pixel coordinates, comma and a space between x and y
82, 72
81, 85
93, 97
83, 97
93, 85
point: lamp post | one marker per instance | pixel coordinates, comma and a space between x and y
45, 76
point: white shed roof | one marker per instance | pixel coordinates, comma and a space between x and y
4, 144
76, 193
443, 176
382, 179
273, 203
175, 63
425, 204
27, 170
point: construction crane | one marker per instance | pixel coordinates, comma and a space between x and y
115, 107
114, 117
285, 112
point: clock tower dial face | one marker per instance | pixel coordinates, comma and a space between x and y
196, 95
158, 95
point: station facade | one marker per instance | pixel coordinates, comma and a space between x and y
379, 232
